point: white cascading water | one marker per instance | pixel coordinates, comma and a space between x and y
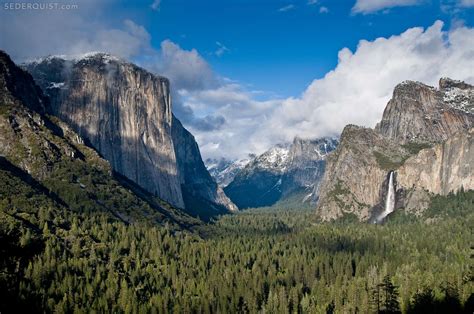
389, 201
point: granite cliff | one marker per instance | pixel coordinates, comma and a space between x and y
45, 162
425, 137
125, 113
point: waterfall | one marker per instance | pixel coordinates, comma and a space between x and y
389, 200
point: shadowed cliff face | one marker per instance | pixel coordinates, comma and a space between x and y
425, 136
125, 113
20, 86
202, 196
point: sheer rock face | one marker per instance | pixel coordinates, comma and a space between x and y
46, 155
425, 136
281, 172
443, 168
125, 113
202, 195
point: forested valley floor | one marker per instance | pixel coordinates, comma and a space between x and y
266, 260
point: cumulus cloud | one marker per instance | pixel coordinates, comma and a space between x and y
224, 118
371, 6
229, 120
186, 69
357, 90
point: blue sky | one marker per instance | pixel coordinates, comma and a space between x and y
248, 74
268, 48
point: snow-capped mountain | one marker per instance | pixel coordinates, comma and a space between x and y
275, 159
283, 171
224, 170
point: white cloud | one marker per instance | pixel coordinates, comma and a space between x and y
312, 2
286, 8
371, 6
229, 120
221, 49
323, 10
358, 89
186, 69
156, 5
33, 33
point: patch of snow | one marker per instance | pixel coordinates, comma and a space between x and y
106, 57
224, 170
461, 99
275, 158
55, 85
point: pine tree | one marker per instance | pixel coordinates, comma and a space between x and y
390, 295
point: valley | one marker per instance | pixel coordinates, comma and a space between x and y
271, 260
117, 197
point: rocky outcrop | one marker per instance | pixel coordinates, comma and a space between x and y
284, 171
125, 113
18, 85
424, 136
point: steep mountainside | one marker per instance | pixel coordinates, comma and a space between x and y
424, 137
281, 172
445, 167
43, 162
125, 113
202, 196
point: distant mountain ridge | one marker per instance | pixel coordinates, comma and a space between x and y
125, 112
280, 172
